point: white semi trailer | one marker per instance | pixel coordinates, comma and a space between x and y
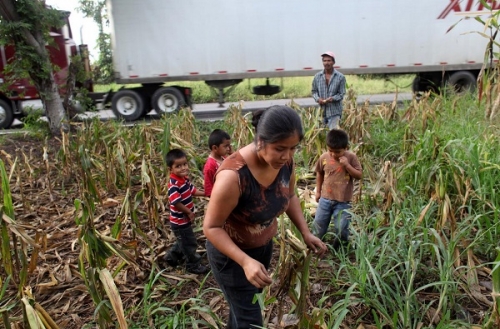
223, 42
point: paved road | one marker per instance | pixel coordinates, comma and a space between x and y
212, 111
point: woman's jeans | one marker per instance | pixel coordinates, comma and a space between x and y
238, 291
339, 211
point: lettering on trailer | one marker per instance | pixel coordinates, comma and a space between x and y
467, 6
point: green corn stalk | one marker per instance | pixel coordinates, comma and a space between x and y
134, 215
494, 320
294, 269
150, 193
6, 304
96, 249
6, 251
7, 197
16, 266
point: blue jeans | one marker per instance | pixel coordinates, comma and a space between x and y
328, 209
238, 291
332, 122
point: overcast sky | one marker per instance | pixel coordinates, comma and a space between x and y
80, 26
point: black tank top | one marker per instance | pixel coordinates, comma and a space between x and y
252, 223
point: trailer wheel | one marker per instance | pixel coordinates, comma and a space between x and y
6, 115
167, 100
128, 105
462, 81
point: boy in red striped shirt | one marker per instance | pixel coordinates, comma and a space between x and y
182, 210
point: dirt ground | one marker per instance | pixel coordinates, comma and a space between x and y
56, 283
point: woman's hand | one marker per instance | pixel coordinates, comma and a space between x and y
315, 244
256, 273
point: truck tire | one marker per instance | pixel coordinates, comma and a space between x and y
128, 105
167, 100
6, 115
462, 81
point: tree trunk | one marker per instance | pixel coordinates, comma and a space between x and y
68, 104
54, 110
47, 86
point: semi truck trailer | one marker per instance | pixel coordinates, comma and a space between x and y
223, 42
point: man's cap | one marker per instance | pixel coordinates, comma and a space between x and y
328, 53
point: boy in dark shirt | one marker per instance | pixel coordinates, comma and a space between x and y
180, 195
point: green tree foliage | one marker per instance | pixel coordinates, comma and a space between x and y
103, 67
26, 25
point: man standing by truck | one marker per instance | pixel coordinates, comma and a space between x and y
328, 90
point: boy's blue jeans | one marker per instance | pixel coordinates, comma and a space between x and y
328, 209
238, 291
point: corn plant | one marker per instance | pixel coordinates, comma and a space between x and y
8, 207
179, 131
6, 303
494, 320
487, 79
35, 315
314, 142
153, 311
293, 274
239, 126
355, 120
95, 250
15, 243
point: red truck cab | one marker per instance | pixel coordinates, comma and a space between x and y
17, 91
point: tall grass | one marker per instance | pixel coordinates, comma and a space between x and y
420, 265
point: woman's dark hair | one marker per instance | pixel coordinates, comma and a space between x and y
276, 123
337, 139
256, 117
174, 154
